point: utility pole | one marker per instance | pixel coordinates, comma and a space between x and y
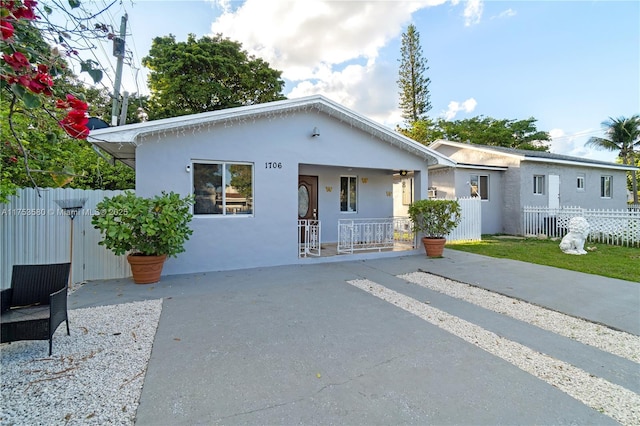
118, 52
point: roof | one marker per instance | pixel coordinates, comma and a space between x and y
535, 156
121, 141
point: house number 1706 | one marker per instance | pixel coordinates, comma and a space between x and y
273, 165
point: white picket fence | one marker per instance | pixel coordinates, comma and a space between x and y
36, 229
620, 227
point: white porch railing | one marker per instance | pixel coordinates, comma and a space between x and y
309, 238
621, 227
373, 234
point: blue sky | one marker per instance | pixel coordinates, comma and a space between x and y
569, 64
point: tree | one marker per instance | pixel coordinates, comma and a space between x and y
415, 100
623, 135
37, 93
205, 75
520, 134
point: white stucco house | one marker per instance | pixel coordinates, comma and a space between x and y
259, 172
508, 179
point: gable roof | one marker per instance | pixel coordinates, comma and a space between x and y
534, 156
121, 141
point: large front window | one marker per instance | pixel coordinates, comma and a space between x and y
348, 193
223, 188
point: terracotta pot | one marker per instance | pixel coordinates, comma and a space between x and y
434, 246
146, 269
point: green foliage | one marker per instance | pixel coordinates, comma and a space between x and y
520, 134
606, 260
208, 74
435, 218
149, 226
623, 135
415, 100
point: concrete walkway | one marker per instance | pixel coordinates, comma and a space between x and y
296, 344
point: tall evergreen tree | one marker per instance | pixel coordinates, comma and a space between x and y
415, 100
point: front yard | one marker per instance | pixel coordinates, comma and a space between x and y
606, 260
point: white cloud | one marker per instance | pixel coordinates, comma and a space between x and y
574, 144
455, 107
507, 13
472, 12
329, 47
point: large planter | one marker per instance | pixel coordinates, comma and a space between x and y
146, 269
434, 246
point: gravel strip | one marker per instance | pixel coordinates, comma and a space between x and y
599, 336
612, 400
94, 376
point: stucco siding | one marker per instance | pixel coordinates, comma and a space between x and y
279, 148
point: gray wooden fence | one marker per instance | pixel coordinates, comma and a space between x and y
35, 228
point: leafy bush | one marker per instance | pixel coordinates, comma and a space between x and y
147, 226
434, 218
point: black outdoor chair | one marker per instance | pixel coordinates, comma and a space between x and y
36, 303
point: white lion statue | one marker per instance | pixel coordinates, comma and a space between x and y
573, 242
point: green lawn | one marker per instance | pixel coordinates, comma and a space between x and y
606, 260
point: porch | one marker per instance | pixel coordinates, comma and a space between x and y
356, 235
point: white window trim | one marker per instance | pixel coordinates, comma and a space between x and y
582, 178
540, 187
354, 177
602, 179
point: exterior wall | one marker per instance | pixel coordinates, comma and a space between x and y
492, 209
589, 198
269, 236
444, 180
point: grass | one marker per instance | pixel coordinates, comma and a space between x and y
606, 260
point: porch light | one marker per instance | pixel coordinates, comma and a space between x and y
315, 133
403, 172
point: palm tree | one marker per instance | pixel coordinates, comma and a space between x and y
623, 136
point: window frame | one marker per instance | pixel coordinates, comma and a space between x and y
349, 178
539, 182
606, 190
580, 182
482, 190
225, 185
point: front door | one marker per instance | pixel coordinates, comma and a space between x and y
307, 200
308, 197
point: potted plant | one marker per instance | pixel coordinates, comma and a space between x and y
434, 219
147, 229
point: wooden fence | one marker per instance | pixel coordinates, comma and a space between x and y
619, 227
35, 228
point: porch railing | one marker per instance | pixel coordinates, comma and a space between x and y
308, 238
373, 234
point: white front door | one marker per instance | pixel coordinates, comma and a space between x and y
554, 191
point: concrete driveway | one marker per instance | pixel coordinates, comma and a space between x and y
298, 345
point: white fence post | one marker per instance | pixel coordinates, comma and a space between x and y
34, 229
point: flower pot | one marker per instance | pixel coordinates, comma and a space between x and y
434, 246
146, 269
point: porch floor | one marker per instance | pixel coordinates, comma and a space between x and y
331, 249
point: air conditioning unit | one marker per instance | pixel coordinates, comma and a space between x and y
433, 192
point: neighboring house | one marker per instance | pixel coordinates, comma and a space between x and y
508, 179
257, 170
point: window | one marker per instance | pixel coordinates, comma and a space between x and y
348, 193
479, 186
223, 189
580, 182
538, 184
605, 186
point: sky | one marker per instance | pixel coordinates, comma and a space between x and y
569, 64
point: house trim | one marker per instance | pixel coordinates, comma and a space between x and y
121, 141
